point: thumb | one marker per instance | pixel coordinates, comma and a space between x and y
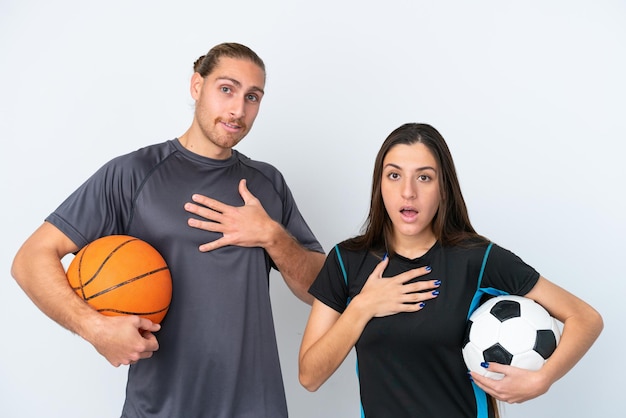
380, 267
244, 192
148, 325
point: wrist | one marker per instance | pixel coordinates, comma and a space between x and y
273, 234
360, 309
91, 326
547, 375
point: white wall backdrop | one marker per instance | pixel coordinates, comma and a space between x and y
530, 95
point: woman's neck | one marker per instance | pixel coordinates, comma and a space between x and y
414, 247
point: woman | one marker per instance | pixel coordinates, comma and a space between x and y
402, 291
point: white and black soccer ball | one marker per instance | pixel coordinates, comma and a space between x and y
511, 330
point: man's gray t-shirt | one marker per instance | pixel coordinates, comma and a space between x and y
218, 356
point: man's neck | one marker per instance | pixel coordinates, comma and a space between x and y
198, 144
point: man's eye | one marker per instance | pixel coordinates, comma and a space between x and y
225, 89
252, 97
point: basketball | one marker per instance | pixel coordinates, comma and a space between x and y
122, 275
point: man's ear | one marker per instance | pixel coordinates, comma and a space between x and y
196, 86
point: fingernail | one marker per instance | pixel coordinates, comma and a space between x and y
427, 268
470, 377
435, 292
437, 282
484, 364
422, 304
385, 257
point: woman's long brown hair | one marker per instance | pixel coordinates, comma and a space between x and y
451, 223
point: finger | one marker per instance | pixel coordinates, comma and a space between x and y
246, 194
480, 381
214, 245
496, 367
415, 297
410, 305
207, 213
422, 286
413, 274
212, 204
147, 325
243, 190
380, 267
211, 226
151, 345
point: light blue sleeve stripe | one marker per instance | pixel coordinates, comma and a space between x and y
482, 409
481, 402
343, 269
478, 294
345, 278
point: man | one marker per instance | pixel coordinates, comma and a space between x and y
215, 353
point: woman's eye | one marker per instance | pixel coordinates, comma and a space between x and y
394, 176
423, 177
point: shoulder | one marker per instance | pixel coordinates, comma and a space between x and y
141, 161
265, 173
265, 170
506, 271
346, 249
150, 154
261, 166
469, 248
355, 259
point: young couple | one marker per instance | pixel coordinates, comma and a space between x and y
400, 292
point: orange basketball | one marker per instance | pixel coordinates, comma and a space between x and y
122, 275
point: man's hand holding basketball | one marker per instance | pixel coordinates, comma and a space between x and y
124, 340
245, 226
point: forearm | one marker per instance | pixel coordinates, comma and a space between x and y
38, 270
320, 358
579, 333
582, 326
298, 265
45, 283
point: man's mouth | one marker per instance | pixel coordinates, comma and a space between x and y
231, 125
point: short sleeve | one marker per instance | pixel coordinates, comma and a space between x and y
330, 287
290, 216
506, 271
99, 207
296, 225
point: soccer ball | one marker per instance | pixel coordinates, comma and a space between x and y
510, 330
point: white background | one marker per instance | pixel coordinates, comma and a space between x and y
530, 96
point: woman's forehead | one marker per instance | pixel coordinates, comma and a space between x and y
410, 155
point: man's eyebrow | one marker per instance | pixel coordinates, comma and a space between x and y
237, 83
